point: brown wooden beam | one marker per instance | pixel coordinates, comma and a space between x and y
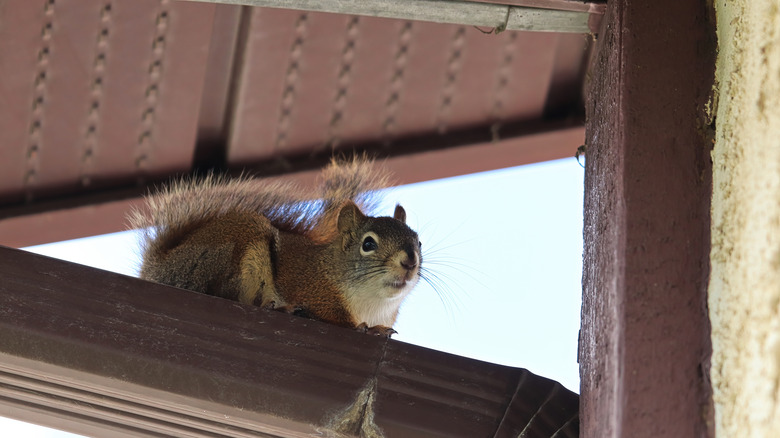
645, 345
418, 159
104, 354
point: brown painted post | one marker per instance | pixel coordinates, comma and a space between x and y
645, 345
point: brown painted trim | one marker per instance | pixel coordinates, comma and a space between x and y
419, 160
645, 338
104, 354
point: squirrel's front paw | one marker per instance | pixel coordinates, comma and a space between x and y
377, 330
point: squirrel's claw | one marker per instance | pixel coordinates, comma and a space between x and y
290, 308
377, 330
287, 308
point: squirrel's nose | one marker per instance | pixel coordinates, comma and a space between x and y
410, 262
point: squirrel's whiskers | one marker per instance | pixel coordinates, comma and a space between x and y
439, 272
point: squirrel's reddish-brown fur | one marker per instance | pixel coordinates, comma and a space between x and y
276, 245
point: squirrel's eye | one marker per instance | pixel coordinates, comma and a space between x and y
419, 243
369, 244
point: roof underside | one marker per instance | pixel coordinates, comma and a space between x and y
99, 99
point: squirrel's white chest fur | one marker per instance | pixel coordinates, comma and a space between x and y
378, 306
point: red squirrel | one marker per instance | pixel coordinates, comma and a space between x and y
269, 244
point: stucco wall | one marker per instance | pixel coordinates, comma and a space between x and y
744, 294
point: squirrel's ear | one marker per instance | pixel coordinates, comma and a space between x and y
349, 217
400, 213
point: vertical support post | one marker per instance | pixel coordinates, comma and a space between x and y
645, 345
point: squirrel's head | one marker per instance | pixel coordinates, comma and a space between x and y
383, 254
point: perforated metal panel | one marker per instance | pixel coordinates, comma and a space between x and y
100, 98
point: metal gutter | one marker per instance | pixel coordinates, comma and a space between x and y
99, 353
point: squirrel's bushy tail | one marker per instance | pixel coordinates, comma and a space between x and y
178, 207
355, 180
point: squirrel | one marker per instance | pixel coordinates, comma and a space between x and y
272, 244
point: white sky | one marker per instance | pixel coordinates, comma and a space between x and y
507, 246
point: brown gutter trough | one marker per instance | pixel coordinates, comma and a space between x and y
99, 353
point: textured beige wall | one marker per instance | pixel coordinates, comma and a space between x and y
744, 291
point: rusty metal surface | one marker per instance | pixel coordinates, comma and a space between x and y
100, 98
109, 355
